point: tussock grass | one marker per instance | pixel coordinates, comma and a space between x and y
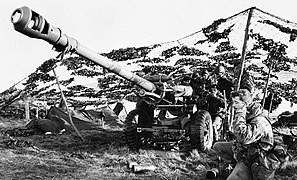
103, 155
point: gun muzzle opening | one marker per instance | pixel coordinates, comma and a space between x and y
29, 22
16, 16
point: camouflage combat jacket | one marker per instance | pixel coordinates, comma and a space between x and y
254, 142
253, 133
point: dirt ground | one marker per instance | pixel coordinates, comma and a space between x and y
102, 155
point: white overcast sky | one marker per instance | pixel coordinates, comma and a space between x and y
103, 25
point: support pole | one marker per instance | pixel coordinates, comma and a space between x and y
243, 54
270, 106
65, 102
266, 85
27, 108
37, 111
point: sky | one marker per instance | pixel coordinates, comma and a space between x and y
104, 25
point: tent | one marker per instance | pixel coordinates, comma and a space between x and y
57, 119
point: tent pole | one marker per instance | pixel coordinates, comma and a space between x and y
266, 85
246, 36
243, 54
65, 102
37, 111
241, 65
270, 106
27, 108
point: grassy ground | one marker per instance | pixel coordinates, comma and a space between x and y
103, 155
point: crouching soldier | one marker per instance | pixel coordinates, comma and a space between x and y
216, 106
254, 140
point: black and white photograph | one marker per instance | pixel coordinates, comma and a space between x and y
148, 90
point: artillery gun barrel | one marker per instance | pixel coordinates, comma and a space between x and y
32, 24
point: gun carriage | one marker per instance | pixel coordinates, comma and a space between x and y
166, 114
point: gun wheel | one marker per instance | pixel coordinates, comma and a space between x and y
201, 130
135, 140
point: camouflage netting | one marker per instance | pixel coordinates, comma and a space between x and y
271, 45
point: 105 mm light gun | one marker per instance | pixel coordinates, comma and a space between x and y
30, 23
166, 115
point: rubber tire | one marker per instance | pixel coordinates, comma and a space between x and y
201, 131
134, 139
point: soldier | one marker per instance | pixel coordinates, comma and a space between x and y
247, 79
254, 138
205, 81
224, 81
216, 106
201, 84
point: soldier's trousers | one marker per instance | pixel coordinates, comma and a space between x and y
241, 171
